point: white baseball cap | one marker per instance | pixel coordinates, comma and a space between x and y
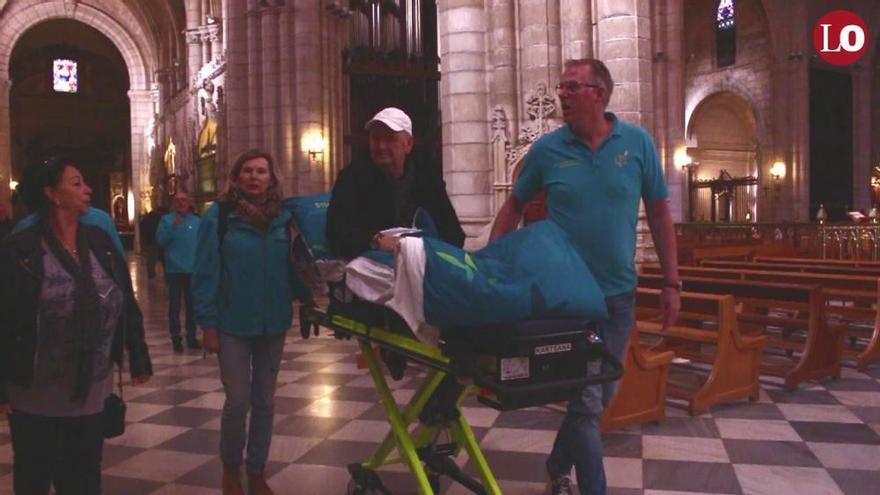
396, 119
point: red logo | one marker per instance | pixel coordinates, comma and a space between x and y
840, 37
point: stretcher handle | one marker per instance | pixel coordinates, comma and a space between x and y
485, 380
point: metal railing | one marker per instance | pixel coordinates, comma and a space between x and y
835, 241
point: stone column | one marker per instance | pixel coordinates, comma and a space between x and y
287, 101
862, 79
194, 54
576, 31
215, 38
669, 90
269, 110
163, 80
206, 47
254, 57
237, 89
141, 113
193, 38
540, 53
5, 143
307, 63
624, 44
503, 94
792, 87
463, 101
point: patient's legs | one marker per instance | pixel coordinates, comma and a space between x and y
578, 442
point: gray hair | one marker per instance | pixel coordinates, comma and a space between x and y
598, 69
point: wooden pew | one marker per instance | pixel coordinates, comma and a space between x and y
735, 358
641, 393
793, 267
850, 301
800, 347
816, 261
741, 252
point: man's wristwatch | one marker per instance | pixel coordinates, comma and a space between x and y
677, 285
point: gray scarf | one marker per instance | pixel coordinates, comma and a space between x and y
84, 325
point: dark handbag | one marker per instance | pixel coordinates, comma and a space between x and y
113, 417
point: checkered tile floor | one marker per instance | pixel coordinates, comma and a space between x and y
823, 439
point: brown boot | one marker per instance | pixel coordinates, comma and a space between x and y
232, 480
257, 485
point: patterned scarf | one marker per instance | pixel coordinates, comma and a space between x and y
259, 215
84, 324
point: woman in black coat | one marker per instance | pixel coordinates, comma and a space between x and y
66, 308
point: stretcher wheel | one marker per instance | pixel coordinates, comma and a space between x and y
356, 489
364, 482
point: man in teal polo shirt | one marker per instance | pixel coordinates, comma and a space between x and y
595, 170
177, 234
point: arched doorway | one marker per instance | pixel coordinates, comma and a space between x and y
69, 95
119, 25
723, 184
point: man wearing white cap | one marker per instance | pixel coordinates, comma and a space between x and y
385, 190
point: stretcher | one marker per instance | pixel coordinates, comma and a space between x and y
508, 367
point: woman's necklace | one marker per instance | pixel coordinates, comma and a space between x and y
71, 249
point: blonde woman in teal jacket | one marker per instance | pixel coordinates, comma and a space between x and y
243, 286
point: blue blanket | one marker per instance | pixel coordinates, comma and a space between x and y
532, 273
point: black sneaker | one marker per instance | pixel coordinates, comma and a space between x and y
561, 486
177, 345
193, 344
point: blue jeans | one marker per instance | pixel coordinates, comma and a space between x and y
578, 442
249, 371
179, 288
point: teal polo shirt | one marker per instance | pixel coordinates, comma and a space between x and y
594, 195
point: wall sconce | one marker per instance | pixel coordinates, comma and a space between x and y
682, 160
777, 171
13, 184
313, 144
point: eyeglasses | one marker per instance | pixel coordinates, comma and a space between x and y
575, 86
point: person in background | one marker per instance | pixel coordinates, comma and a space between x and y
243, 286
596, 170
177, 234
66, 308
152, 250
385, 189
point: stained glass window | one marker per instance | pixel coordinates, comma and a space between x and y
725, 17
65, 77
725, 33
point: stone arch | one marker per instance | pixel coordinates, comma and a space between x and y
704, 94
723, 130
15, 23
136, 51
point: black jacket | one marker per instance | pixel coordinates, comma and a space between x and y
363, 204
21, 278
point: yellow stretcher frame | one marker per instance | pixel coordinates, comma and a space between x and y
407, 443
417, 448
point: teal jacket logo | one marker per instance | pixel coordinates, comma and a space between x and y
468, 266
